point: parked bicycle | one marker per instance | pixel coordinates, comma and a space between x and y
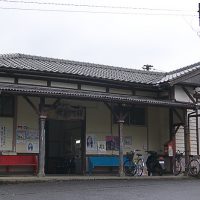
192, 168
133, 166
155, 164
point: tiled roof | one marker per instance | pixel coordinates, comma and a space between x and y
90, 70
43, 64
89, 95
179, 72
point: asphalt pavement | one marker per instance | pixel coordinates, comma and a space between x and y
118, 189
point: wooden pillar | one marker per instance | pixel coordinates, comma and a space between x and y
121, 148
197, 129
41, 171
42, 120
186, 138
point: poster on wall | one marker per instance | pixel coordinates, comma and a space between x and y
27, 140
20, 136
91, 144
3, 131
32, 147
32, 135
112, 143
6, 134
101, 146
127, 141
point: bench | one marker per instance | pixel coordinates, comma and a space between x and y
19, 161
102, 161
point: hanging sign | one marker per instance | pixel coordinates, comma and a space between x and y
70, 112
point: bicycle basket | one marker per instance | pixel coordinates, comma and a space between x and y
129, 155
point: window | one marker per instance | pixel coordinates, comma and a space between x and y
135, 115
6, 106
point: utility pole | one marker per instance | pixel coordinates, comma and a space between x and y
199, 14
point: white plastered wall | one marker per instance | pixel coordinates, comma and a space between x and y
180, 94
26, 115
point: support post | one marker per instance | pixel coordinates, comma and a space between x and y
121, 115
186, 139
197, 129
41, 169
121, 148
42, 120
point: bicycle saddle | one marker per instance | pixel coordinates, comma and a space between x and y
138, 154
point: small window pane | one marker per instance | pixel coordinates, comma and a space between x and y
139, 116
6, 106
135, 116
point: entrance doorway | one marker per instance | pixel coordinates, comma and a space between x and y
64, 149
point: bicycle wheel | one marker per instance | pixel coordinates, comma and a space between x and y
158, 170
177, 168
129, 168
193, 167
140, 167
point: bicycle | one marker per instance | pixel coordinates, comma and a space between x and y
133, 166
192, 168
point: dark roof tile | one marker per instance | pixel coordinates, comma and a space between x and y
180, 72
36, 63
44, 64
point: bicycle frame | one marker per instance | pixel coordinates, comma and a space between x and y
133, 165
191, 168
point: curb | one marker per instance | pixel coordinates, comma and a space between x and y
31, 179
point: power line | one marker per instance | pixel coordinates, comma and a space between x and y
192, 28
94, 12
93, 6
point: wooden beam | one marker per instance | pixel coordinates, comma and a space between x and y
178, 115
56, 102
188, 94
32, 105
110, 107
177, 129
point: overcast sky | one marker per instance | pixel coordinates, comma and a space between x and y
163, 38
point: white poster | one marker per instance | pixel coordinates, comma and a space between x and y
3, 131
32, 147
127, 140
20, 136
6, 134
91, 144
101, 146
27, 140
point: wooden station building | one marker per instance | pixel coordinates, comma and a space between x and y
61, 110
